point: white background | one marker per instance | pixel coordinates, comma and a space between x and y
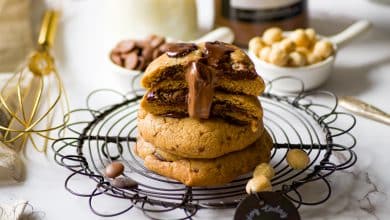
362, 70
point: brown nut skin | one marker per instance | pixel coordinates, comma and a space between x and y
272, 35
264, 169
297, 159
258, 184
114, 169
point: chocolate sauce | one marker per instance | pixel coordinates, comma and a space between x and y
200, 81
216, 52
178, 49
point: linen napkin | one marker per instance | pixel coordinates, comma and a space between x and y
11, 166
15, 33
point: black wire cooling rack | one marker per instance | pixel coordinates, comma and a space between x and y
105, 131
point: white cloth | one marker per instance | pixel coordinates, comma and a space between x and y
13, 212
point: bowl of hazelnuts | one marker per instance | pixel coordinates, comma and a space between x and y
298, 60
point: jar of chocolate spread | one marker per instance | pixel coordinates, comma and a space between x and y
249, 18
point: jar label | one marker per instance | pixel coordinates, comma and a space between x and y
261, 11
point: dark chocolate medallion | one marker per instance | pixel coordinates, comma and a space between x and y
266, 206
178, 49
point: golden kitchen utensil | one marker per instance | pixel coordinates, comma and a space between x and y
31, 97
364, 109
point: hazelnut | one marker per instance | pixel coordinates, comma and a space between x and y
297, 159
264, 169
255, 45
278, 57
311, 34
272, 35
286, 44
323, 48
264, 53
296, 59
303, 50
300, 38
312, 58
258, 184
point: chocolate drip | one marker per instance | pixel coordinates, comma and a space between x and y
178, 49
217, 52
200, 81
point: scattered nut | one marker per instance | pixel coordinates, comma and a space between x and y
300, 38
278, 57
297, 159
264, 169
258, 184
124, 183
323, 49
272, 35
114, 169
296, 59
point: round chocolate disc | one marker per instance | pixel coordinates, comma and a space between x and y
266, 206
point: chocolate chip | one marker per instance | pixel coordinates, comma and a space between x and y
157, 53
146, 50
131, 60
116, 58
157, 41
147, 53
141, 63
125, 46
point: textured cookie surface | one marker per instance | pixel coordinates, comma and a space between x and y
235, 74
205, 172
193, 138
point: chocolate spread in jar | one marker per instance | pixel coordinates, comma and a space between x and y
200, 81
250, 18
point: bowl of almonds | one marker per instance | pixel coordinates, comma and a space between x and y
298, 60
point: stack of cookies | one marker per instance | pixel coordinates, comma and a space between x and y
200, 121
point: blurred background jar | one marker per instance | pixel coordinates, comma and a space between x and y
249, 18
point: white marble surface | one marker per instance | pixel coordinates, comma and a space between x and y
362, 70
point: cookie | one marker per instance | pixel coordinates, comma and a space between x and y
234, 108
193, 138
234, 70
205, 172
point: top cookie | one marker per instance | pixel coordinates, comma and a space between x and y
234, 71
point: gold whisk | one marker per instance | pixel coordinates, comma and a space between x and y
30, 99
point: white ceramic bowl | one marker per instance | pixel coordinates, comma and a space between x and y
298, 79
